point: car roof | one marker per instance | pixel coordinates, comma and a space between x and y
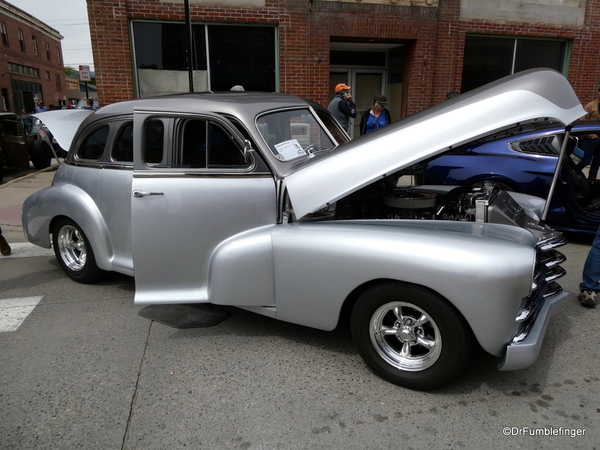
241, 104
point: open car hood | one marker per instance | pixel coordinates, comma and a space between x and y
531, 96
63, 124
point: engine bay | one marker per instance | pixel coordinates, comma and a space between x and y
390, 200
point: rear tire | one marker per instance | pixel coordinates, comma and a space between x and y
40, 154
74, 252
410, 336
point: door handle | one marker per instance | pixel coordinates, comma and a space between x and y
138, 194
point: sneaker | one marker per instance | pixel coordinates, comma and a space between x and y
587, 298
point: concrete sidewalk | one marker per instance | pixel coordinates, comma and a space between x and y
12, 195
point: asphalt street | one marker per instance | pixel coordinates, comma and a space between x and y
80, 368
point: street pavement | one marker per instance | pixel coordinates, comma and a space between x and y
81, 369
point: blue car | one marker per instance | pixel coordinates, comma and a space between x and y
523, 160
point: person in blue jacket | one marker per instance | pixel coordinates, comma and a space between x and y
377, 117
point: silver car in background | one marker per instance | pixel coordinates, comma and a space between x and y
259, 201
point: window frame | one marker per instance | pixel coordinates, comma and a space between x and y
21, 36
172, 143
467, 73
4, 32
200, 27
35, 45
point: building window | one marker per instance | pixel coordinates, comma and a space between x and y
35, 47
4, 33
223, 56
58, 56
48, 55
21, 40
57, 79
487, 59
23, 70
250, 55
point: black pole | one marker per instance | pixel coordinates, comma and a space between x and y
559, 163
189, 46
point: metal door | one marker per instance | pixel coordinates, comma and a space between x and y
182, 212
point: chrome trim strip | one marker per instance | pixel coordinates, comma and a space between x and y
152, 174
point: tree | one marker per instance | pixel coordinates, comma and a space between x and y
71, 72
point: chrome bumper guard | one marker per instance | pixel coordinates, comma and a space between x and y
545, 299
547, 270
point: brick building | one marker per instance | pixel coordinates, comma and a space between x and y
31, 64
413, 51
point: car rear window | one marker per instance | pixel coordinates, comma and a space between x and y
93, 145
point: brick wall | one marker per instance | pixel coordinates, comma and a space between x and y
12, 53
434, 37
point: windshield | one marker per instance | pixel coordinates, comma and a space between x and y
293, 134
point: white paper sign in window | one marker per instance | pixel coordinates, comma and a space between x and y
289, 150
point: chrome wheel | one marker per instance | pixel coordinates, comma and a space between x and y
405, 336
72, 247
410, 335
74, 252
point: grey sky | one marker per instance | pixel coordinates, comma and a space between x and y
70, 19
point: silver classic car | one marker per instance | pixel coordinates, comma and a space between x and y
261, 202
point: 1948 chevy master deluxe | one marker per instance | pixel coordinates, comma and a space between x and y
260, 201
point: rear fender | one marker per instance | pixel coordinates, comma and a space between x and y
42, 210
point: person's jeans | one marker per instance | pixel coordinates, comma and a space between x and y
591, 268
591, 154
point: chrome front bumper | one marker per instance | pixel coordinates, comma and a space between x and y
523, 354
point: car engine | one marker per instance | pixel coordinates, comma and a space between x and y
483, 203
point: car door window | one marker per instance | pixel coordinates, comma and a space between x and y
92, 147
206, 144
222, 150
123, 147
154, 138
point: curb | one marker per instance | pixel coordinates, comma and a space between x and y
29, 175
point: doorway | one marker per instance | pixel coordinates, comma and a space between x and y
371, 69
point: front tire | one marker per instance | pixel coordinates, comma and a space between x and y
40, 154
410, 336
74, 252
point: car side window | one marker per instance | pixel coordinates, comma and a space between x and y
93, 145
123, 147
193, 145
206, 144
154, 138
222, 150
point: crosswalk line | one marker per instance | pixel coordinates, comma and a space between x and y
27, 250
13, 311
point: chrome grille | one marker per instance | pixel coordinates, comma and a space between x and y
547, 270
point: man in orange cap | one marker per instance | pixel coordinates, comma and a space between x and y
342, 107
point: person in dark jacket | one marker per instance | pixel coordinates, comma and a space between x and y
377, 117
342, 107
